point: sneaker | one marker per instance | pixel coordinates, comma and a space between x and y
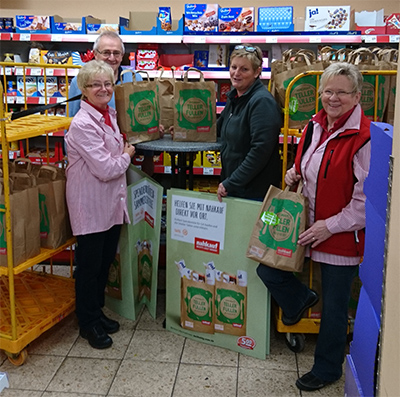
312, 300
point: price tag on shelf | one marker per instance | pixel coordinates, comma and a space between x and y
200, 40
19, 99
235, 40
10, 99
36, 71
41, 100
49, 72
8, 71
56, 37
167, 169
370, 39
394, 39
271, 39
19, 71
11, 155
208, 171
315, 39
25, 37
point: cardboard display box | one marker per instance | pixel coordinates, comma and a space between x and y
328, 18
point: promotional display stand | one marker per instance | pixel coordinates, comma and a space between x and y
132, 280
213, 292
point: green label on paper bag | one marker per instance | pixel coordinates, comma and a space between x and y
195, 110
44, 216
229, 306
285, 234
270, 218
199, 304
143, 111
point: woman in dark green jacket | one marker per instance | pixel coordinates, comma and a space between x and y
249, 128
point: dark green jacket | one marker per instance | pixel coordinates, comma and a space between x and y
249, 128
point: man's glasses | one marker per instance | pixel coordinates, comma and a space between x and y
98, 86
248, 48
108, 53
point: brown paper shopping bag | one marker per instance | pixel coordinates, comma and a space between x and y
197, 305
137, 109
166, 89
54, 227
282, 218
195, 110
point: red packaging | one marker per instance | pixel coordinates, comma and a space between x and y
224, 88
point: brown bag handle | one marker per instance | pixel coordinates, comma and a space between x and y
185, 77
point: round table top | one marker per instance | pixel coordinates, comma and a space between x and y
168, 145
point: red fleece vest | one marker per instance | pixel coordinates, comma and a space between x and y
335, 186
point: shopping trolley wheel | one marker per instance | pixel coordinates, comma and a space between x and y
17, 359
295, 342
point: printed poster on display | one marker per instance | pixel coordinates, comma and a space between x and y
214, 295
132, 280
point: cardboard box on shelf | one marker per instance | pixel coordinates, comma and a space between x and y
62, 85
32, 24
370, 22
217, 56
71, 26
201, 17
50, 88
328, 18
139, 23
236, 19
56, 57
393, 24
275, 19
224, 88
30, 88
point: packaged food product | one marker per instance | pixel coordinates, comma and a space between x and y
236, 19
327, 18
201, 17
164, 15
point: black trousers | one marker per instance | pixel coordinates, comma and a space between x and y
93, 256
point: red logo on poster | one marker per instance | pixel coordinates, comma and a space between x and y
149, 219
246, 342
202, 244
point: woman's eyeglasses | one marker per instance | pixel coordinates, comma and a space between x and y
250, 49
108, 53
339, 94
98, 86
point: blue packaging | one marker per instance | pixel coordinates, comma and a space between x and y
201, 17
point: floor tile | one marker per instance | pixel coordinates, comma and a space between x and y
84, 375
257, 382
58, 340
20, 393
144, 379
35, 374
60, 394
149, 323
205, 381
200, 353
155, 346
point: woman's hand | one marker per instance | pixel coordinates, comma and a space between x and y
292, 177
130, 149
221, 192
315, 235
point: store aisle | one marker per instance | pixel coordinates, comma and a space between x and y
145, 360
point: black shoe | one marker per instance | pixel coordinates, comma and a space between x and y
96, 336
110, 326
312, 300
310, 382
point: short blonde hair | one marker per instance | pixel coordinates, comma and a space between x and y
342, 69
251, 52
92, 69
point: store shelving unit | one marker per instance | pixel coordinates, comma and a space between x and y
31, 302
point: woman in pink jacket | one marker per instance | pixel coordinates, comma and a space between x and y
333, 159
96, 196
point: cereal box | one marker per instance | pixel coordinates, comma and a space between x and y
236, 19
51, 87
31, 86
201, 17
327, 18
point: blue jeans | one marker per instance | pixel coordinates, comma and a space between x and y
290, 294
93, 256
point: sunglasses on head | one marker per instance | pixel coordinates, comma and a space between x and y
248, 48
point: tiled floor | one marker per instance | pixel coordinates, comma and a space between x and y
146, 360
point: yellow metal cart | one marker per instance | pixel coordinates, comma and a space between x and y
31, 302
295, 337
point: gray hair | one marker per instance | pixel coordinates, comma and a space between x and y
91, 70
254, 56
342, 69
111, 35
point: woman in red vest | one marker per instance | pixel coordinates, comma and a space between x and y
333, 159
